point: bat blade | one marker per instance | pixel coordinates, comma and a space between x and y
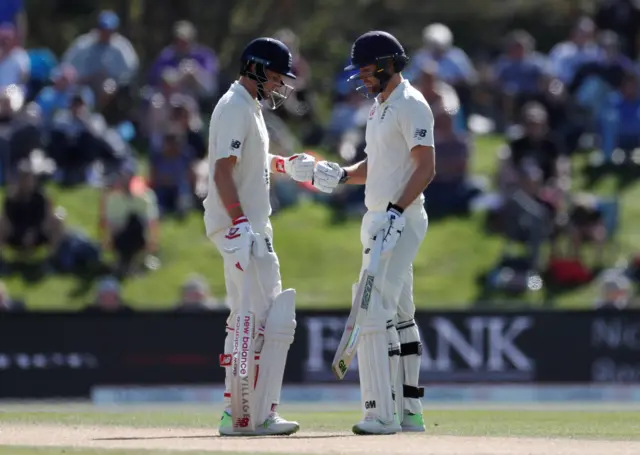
349, 342
243, 373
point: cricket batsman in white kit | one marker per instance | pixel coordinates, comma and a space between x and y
400, 163
237, 210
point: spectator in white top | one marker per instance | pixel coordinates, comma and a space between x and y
15, 66
566, 57
103, 54
454, 65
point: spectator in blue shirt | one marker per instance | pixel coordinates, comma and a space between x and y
620, 119
196, 65
568, 56
58, 96
520, 75
596, 81
103, 54
172, 177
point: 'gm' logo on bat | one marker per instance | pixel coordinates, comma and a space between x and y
366, 296
342, 366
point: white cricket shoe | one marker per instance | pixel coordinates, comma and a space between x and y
273, 426
372, 425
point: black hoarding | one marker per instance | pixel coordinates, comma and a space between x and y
64, 355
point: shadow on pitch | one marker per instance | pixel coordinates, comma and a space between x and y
216, 436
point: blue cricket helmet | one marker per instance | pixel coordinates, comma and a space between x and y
374, 46
269, 52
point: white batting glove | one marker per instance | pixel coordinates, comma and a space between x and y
328, 176
299, 167
241, 242
392, 224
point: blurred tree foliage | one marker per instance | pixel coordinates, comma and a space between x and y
326, 27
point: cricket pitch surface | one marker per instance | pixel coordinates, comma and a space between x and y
27, 430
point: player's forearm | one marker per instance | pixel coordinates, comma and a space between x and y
418, 182
228, 192
356, 173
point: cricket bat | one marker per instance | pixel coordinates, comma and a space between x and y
349, 342
243, 364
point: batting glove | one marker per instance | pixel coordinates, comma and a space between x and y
241, 242
392, 222
327, 176
298, 167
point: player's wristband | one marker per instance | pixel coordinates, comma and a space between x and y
395, 207
239, 220
345, 176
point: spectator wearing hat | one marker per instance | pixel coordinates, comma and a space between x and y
453, 64
15, 65
195, 297
129, 220
196, 64
28, 220
108, 298
103, 54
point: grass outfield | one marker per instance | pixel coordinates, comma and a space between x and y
466, 432
319, 259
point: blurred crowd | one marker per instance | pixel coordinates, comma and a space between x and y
85, 118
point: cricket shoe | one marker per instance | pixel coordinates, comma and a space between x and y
371, 425
412, 423
273, 426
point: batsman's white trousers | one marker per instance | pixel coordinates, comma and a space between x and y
395, 272
263, 274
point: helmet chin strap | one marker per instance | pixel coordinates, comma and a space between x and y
260, 76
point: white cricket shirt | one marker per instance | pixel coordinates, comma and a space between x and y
395, 127
238, 129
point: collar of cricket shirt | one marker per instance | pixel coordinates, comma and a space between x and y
242, 91
396, 92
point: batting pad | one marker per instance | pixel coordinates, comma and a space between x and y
375, 374
408, 379
279, 330
394, 361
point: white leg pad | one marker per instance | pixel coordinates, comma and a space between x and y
374, 371
279, 330
411, 353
